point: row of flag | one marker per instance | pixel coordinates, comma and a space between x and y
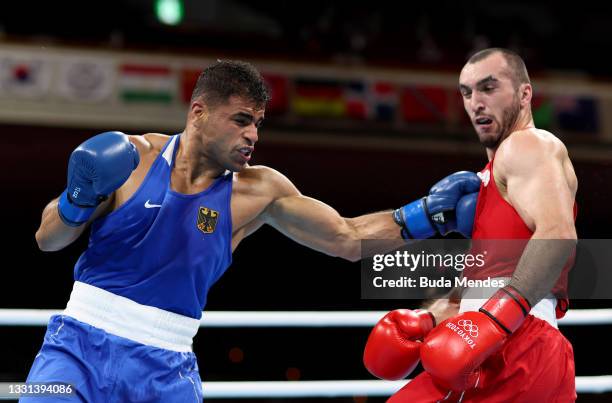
94, 80
384, 101
97, 80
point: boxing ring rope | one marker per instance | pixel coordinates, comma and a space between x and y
309, 389
305, 389
40, 317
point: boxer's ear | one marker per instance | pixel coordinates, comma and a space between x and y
198, 111
525, 94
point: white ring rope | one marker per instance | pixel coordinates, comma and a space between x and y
295, 389
591, 384
40, 317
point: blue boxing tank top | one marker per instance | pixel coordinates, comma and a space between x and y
162, 248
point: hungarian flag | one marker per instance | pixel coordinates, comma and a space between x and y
140, 83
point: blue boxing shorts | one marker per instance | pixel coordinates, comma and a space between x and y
104, 367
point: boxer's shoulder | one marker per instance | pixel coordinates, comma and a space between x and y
532, 140
254, 189
149, 143
528, 148
149, 147
263, 180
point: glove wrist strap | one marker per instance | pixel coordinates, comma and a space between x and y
72, 214
507, 308
398, 219
414, 220
427, 320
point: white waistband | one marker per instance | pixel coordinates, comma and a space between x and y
125, 318
473, 298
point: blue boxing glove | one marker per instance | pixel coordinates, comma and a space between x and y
438, 212
464, 214
96, 168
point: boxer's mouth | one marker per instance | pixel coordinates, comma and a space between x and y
483, 120
246, 151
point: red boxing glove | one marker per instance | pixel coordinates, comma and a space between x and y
392, 350
454, 350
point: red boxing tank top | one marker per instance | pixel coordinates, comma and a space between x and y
500, 233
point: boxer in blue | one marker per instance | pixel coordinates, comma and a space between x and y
166, 213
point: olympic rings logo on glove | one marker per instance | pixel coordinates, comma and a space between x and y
469, 327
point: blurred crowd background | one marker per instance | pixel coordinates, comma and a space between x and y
365, 115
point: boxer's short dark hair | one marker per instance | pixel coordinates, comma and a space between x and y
226, 78
518, 70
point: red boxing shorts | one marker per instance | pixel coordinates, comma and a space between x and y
535, 365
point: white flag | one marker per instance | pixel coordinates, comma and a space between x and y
24, 76
86, 80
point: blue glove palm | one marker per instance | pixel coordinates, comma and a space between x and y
465, 212
438, 211
96, 168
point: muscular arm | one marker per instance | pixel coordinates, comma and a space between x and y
315, 224
537, 187
53, 234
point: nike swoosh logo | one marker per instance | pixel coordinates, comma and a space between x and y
149, 205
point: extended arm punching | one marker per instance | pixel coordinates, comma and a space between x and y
318, 226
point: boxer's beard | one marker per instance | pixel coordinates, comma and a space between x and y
509, 117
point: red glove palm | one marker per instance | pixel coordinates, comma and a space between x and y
392, 350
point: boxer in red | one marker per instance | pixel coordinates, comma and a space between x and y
503, 346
